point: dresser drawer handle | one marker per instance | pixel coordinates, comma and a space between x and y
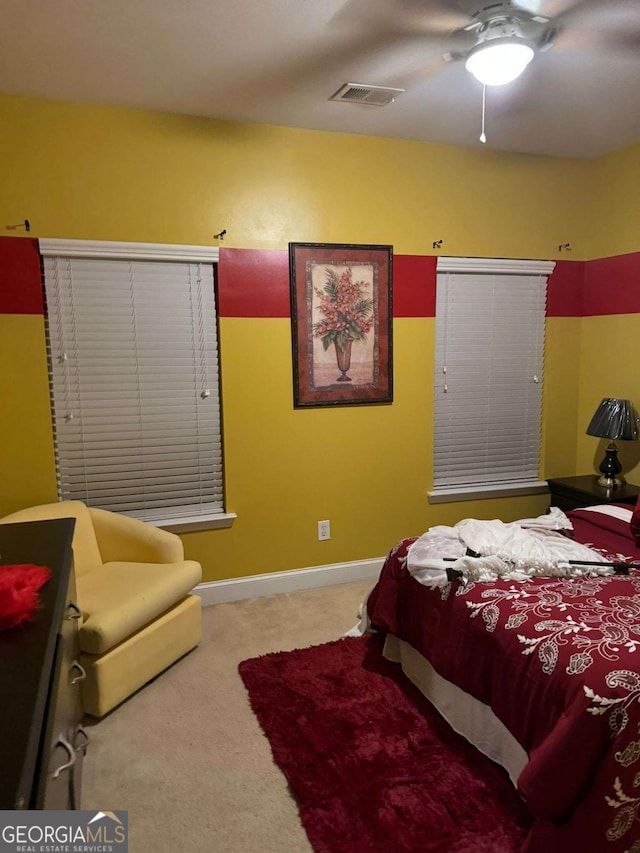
63, 742
83, 746
83, 674
75, 612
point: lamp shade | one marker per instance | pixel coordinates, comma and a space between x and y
615, 419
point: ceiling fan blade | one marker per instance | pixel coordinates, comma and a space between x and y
441, 15
613, 14
396, 43
376, 58
411, 78
401, 16
591, 25
573, 38
376, 41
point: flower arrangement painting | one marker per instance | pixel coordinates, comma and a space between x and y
346, 314
341, 323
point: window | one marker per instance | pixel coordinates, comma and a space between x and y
133, 355
490, 317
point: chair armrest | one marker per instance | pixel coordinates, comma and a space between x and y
124, 539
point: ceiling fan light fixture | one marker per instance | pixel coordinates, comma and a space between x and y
498, 61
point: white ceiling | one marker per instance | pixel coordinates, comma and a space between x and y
278, 62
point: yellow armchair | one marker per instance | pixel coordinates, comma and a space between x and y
134, 589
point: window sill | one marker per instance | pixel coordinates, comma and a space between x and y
190, 525
448, 494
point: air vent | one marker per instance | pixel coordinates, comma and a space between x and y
359, 93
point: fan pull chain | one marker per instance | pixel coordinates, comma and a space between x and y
483, 136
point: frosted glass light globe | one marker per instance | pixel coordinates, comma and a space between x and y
495, 63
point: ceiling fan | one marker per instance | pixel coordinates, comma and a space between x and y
496, 39
508, 33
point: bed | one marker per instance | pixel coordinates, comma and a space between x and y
543, 676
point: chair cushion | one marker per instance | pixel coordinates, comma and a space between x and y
86, 554
120, 598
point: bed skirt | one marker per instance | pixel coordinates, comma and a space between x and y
470, 718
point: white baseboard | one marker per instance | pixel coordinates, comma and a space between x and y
255, 586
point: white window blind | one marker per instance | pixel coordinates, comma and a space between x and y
133, 355
490, 317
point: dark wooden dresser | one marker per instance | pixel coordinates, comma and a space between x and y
42, 741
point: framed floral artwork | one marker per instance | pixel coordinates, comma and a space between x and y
341, 323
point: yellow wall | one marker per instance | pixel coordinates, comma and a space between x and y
561, 396
101, 173
613, 208
610, 345
605, 373
27, 469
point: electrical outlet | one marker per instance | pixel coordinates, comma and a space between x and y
324, 530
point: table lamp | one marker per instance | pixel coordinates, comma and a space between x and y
614, 419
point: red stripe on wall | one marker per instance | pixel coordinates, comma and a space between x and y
20, 280
414, 285
565, 289
255, 283
595, 288
612, 285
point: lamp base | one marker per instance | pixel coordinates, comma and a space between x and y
611, 482
610, 469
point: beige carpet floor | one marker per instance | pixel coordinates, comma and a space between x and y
186, 756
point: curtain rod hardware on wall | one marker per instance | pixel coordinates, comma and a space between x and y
220, 235
24, 224
564, 247
437, 244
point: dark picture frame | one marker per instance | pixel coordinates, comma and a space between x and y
341, 324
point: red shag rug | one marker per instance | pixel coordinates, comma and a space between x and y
373, 766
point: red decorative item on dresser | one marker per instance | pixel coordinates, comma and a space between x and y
19, 585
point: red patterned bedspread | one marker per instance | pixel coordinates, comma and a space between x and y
558, 661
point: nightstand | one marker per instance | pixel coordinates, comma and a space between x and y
575, 492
